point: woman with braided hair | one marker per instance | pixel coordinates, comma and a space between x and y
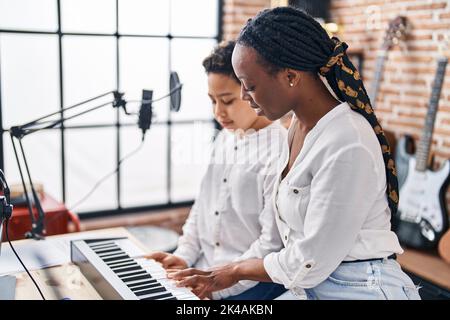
337, 188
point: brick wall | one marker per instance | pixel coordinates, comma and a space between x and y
237, 12
409, 71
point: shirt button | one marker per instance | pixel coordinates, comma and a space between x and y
285, 237
296, 191
235, 148
217, 213
308, 266
224, 180
217, 244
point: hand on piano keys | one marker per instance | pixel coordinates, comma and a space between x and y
167, 260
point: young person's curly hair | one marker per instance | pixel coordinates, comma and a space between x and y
219, 61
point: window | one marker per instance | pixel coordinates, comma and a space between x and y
55, 53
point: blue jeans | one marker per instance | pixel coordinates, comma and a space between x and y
262, 291
373, 280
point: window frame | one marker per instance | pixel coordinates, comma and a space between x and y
118, 125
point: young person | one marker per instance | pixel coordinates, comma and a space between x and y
232, 217
336, 187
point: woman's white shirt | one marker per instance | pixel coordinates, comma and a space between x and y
332, 204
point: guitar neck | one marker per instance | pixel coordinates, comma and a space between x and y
423, 150
379, 67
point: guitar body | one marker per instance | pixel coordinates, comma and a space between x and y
422, 210
403, 151
444, 247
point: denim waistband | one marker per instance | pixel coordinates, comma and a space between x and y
392, 256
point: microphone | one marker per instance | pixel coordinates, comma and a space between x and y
145, 111
175, 92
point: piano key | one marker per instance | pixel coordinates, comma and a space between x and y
146, 276
141, 283
94, 241
116, 258
122, 263
159, 289
129, 271
116, 254
105, 248
103, 245
131, 274
119, 268
158, 297
100, 252
119, 262
111, 254
149, 286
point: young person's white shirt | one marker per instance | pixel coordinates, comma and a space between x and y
233, 215
332, 205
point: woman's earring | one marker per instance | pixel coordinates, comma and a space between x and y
291, 84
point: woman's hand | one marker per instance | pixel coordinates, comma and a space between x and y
168, 261
204, 283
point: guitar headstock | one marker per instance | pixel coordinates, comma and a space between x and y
444, 46
398, 28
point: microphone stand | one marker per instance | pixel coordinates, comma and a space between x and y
5, 206
19, 132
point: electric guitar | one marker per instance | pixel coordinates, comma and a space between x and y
394, 35
422, 218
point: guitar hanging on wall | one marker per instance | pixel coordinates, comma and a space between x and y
422, 218
396, 33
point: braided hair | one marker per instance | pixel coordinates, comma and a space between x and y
286, 37
219, 61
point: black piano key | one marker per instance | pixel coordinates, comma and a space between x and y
99, 252
111, 254
148, 286
128, 264
116, 263
116, 258
161, 296
151, 291
105, 244
105, 248
94, 241
137, 273
171, 298
145, 276
128, 269
137, 284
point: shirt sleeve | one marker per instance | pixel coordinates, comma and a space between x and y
189, 243
269, 239
342, 193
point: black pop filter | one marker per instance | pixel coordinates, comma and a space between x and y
175, 92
